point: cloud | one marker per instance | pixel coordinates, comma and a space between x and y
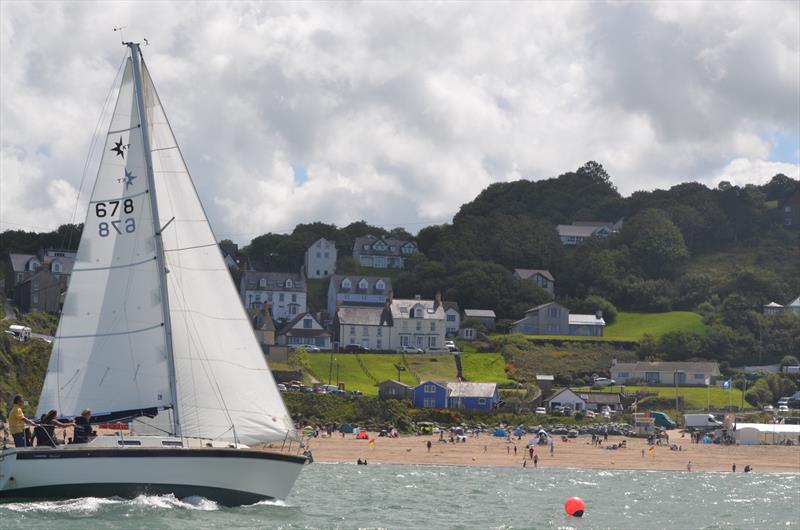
400, 114
742, 171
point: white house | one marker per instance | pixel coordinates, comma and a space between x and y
284, 292
362, 326
361, 291
418, 323
320, 259
566, 397
453, 318
666, 373
305, 329
382, 253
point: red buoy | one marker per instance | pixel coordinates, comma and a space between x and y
575, 506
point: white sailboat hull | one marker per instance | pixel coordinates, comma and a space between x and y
230, 477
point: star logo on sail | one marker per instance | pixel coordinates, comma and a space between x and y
120, 148
127, 179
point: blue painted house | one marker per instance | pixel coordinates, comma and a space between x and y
430, 395
473, 396
439, 395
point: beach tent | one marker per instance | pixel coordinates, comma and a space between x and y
499, 431
766, 433
519, 431
362, 435
346, 428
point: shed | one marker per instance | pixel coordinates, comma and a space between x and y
766, 433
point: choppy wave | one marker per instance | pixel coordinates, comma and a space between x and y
90, 505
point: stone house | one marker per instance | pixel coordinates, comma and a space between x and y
284, 293
39, 282
320, 259
360, 291
382, 253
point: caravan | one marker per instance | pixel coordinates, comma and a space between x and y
21, 333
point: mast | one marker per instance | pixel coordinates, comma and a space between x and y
162, 271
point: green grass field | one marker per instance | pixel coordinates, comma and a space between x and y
484, 367
694, 398
634, 326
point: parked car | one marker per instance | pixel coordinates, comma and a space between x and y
281, 387
411, 349
769, 408
355, 348
603, 381
783, 408
784, 401
541, 410
450, 345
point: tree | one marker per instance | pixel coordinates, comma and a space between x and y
759, 394
594, 303
299, 360
656, 244
789, 360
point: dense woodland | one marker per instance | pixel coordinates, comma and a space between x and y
721, 252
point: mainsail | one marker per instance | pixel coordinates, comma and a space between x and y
112, 350
109, 352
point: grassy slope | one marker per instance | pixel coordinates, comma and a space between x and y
636, 325
22, 366
694, 397
484, 367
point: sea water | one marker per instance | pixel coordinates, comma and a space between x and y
393, 496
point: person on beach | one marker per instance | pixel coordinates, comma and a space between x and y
535, 461
17, 422
530, 452
515, 450
508, 450
524, 463
733, 468
429, 446
689, 466
552, 447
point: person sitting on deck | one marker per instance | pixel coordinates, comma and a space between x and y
83, 428
45, 433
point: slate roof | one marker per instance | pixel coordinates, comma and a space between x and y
276, 281
401, 308
542, 306
451, 305
336, 281
605, 398
530, 273
359, 316
370, 240
576, 231
794, 303
479, 313
480, 390
666, 366
585, 320
18, 261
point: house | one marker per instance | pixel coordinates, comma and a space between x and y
472, 396
320, 259
452, 318
418, 323
540, 277
362, 291
579, 231
263, 326
382, 253
773, 309
584, 401
39, 282
665, 373
365, 326
283, 292
391, 389
429, 395
553, 318
230, 255
305, 329
485, 316
789, 208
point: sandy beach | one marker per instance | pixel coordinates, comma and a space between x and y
487, 450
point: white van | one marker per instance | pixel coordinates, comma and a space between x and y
701, 421
21, 333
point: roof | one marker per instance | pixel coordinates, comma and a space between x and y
18, 261
393, 382
393, 246
643, 366
301, 332
585, 320
794, 303
773, 304
600, 397
545, 377
360, 316
481, 390
529, 273
261, 319
770, 427
276, 281
337, 279
479, 313
402, 308
576, 231
542, 306
451, 305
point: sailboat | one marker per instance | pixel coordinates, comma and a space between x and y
152, 329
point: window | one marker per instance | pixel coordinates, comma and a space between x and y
481, 401
294, 298
451, 318
364, 247
408, 249
379, 285
418, 312
269, 297
379, 344
431, 342
405, 325
379, 246
392, 248
352, 330
429, 403
553, 312
364, 331
292, 310
433, 326
35, 298
405, 340
327, 255
288, 284
380, 262
262, 283
363, 284
346, 283
699, 377
280, 297
623, 375
35, 285
379, 332
319, 255
352, 340
469, 333
56, 267
317, 272
429, 389
258, 297
307, 323
419, 326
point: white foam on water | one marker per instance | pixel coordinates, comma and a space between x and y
81, 505
274, 502
172, 502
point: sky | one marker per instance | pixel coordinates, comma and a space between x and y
398, 113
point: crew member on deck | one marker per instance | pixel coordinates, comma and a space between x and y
83, 428
17, 421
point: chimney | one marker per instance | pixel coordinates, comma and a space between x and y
599, 314
613, 362
437, 300
417, 297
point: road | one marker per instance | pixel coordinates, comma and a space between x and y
11, 313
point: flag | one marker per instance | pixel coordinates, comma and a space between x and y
371, 442
726, 385
708, 381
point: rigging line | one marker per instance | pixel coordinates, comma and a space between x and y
92, 146
120, 198
190, 248
140, 330
125, 266
124, 130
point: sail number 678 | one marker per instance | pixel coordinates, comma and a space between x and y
110, 209
128, 225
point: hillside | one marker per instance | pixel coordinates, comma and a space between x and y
23, 366
637, 325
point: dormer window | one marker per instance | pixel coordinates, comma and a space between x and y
392, 248
418, 312
379, 285
408, 248
364, 247
346, 283
307, 323
56, 267
288, 283
379, 246
33, 265
262, 283
363, 284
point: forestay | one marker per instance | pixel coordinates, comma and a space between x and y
224, 388
109, 353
